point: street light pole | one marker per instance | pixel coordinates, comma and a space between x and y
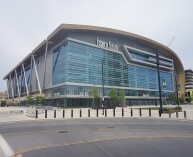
177, 91
103, 100
159, 84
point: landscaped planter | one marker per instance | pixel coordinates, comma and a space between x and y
173, 111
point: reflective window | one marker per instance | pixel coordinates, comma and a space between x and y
78, 63
140, 77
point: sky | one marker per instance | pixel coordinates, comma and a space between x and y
26, 23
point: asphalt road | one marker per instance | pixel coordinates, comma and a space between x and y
100, 137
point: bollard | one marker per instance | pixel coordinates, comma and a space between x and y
105, 112
122, 112
177, 114
97, 112
88, 112
149, 112
45, 113
114, 112
72, 113
36, 114
80, 113
54, 113
185, 116
63, 113
140, 114
169, 114
160, 114
131, 112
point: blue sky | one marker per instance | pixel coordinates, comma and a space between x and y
24, 24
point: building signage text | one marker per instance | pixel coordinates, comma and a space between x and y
107, 45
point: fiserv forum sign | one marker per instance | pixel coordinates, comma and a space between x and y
106, 45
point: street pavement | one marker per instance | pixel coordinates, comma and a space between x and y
133, 137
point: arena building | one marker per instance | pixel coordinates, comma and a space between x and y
74, 58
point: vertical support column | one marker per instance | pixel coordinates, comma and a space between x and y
18, 89
40, 90
7, 80
21, 82
45, 59
25, 79
31, 65
11, 86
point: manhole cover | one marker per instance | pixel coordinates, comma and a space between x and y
63, 131
110, 127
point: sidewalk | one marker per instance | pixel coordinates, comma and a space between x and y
19, 113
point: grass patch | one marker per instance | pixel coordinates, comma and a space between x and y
157, 108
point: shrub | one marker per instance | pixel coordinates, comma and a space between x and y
166, 108
178, 107
3, 103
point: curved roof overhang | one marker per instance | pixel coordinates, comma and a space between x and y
62, 31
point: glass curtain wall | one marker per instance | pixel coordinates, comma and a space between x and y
78, 63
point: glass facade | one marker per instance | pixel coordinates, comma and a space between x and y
149, 58
140, 77
74, 62
78, 63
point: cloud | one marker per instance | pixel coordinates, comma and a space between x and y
24, 24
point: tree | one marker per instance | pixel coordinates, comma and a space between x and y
190, 99
2, 103
40, 100
174, 97
29, 100
95, 95
182, 98
122, 97
113, 97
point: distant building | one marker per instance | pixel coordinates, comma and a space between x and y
189, 79
188, 83
3, 95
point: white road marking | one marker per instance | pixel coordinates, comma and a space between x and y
8, 151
